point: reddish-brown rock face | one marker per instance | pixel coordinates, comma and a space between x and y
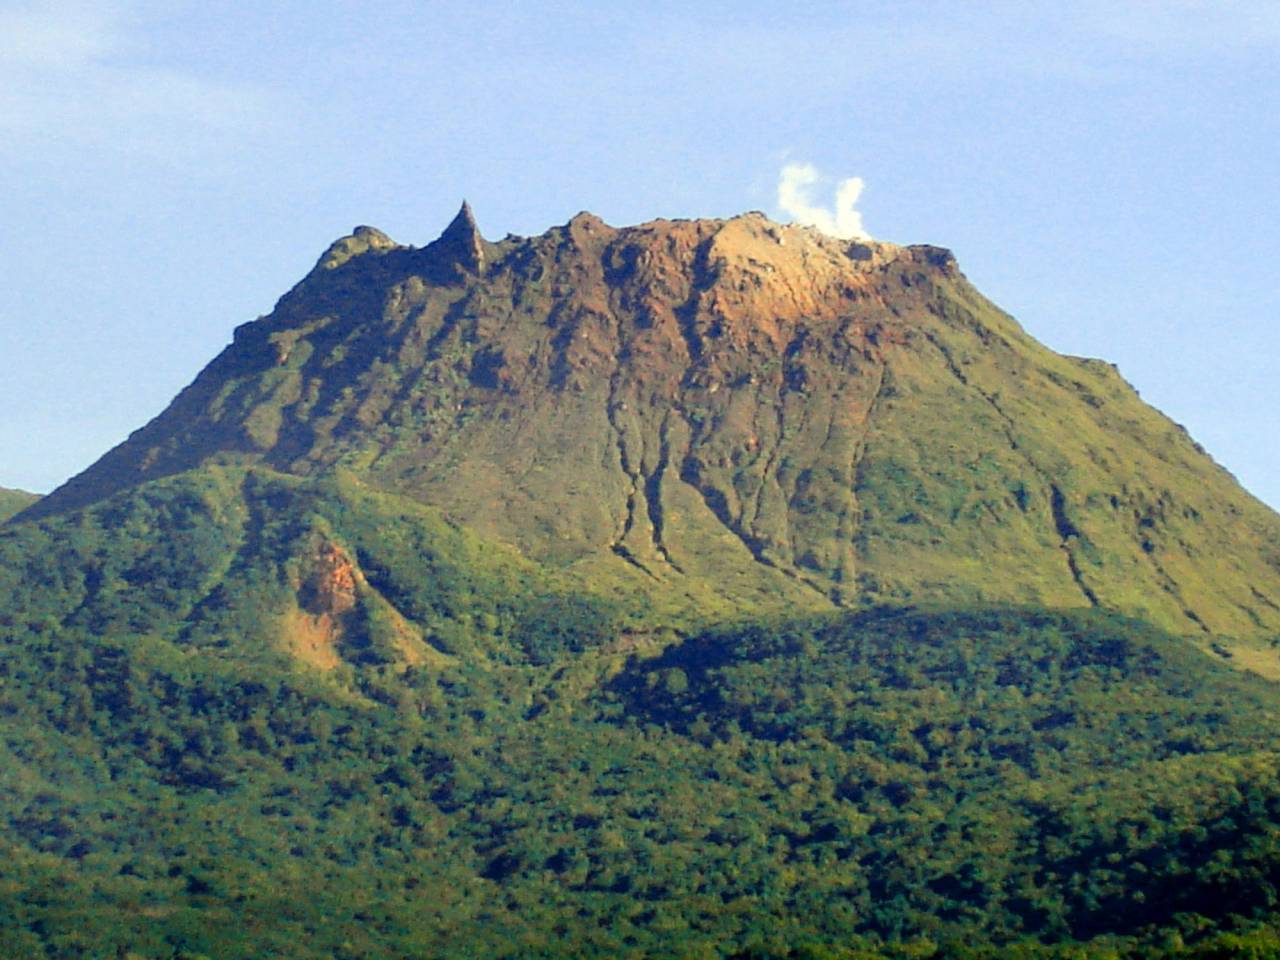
330, 587
758, 409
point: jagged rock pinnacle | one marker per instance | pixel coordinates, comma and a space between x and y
461, 241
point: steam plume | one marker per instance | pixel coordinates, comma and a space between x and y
794, 198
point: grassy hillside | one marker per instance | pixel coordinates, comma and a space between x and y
12, 501
325, 723
252, 564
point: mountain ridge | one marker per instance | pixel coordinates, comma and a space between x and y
730, 401
702, 588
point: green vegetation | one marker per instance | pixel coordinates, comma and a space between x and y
13, 501
562, 775
674, 591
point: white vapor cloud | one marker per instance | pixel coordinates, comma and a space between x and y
795, 184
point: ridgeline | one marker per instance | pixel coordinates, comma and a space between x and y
699, 588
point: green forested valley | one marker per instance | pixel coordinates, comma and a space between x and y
494, 765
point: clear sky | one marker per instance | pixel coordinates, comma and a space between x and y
1106, 171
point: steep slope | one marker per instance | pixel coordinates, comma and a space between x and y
727, 407
479, 601
269, 569
14, 501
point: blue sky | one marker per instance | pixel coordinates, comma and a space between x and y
1104, 171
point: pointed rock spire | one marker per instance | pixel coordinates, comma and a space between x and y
461, 241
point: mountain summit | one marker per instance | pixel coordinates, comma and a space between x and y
729, 410
706, 588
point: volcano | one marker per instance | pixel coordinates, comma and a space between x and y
703, 588
730, 411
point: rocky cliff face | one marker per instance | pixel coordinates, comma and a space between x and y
736, 407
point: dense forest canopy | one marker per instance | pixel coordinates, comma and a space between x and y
543, 778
